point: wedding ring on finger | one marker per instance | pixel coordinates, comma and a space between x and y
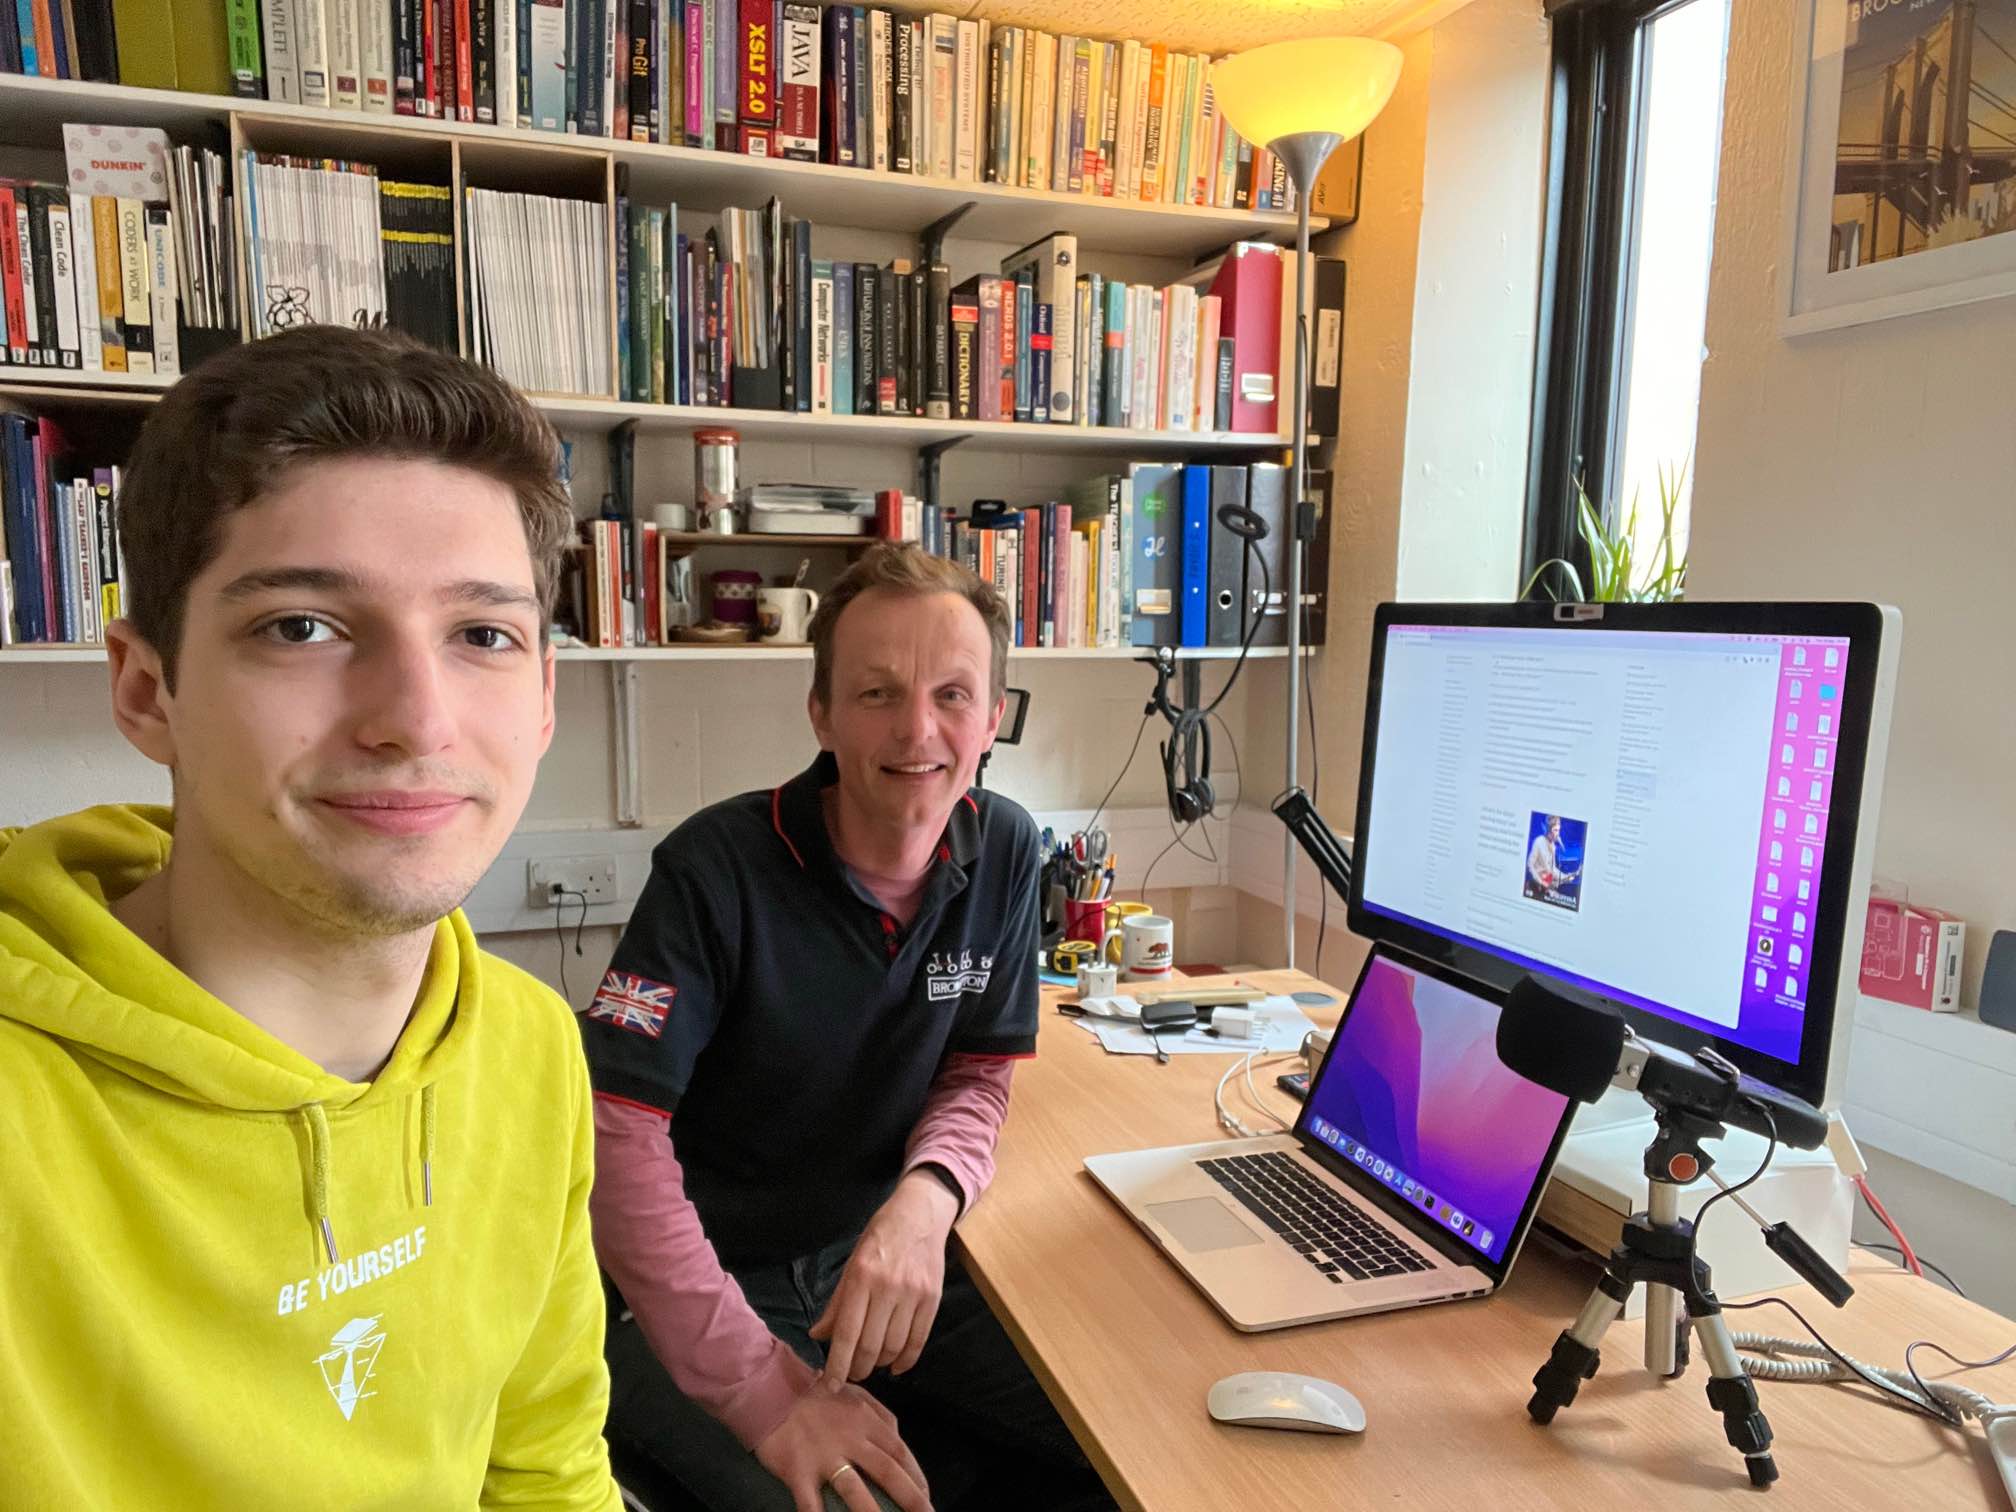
847, 1467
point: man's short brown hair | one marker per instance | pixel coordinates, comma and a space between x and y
900, 567
227, 433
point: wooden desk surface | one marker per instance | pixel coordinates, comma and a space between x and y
1128, 1348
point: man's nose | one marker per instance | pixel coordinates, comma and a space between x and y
402, 701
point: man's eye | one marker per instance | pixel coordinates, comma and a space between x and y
489, 638
298, 630
955, 695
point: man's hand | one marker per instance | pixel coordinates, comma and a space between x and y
882, 1312
828, 1430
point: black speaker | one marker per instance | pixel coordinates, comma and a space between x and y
1998, 982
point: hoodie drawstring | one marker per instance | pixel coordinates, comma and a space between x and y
427, 1145
316, 1121
318, 1154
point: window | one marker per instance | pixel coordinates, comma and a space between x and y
1637, 112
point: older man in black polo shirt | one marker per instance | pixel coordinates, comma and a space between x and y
801, 1056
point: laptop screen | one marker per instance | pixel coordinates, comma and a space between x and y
1414, 1093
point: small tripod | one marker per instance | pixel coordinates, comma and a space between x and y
1657, 1250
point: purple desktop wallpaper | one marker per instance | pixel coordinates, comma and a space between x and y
1416, 1081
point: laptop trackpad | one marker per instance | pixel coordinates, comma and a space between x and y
1201, 1223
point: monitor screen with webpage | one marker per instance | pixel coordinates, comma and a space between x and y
1659, 805
1413, 1092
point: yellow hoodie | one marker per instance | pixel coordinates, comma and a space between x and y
229, 1279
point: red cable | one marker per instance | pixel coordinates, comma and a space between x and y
1911, 1262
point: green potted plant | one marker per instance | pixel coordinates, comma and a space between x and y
1616, 574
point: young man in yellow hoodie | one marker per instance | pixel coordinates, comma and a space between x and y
294, 1178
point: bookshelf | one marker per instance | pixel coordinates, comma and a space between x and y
701, 180
573, 412
865, 208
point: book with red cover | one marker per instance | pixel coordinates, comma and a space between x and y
465, 66
1032, 576
889, 514
758, 78
1248, 286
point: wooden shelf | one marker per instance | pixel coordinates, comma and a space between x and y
568, 412
97, 387
688, 176
45, 655
748, 539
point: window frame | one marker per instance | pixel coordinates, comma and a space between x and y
1596, 117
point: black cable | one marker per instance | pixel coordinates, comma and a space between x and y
1149, 874
1892, 1249
1752, 1179
1919, 1381
1238, 776
560, 896
1121, 776
1252, 630
1896, 1394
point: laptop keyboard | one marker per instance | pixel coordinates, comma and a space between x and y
1326, 1229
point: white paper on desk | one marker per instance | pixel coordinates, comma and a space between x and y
1278, 1022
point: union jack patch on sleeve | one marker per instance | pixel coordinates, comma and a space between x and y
632, 1002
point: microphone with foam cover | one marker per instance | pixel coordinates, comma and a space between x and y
1561, 1038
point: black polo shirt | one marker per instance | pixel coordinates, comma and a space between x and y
763, 998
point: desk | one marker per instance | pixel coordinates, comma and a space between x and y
1127, 1349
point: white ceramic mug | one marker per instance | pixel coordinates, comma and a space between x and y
1147, 947
785, 614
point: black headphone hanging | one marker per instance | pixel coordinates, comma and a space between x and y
1186, 768
1186, 754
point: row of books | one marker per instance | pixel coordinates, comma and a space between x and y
862, 86
538, 289
103, 274
60, 566
1131, 558
328, 241
745, 315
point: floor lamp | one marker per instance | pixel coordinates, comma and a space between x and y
1299, 100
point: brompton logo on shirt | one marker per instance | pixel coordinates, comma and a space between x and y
948, 975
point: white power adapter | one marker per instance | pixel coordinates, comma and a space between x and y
1233, 1022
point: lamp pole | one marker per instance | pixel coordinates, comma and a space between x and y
1303, 153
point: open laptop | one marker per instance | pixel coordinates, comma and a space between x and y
1411, 1175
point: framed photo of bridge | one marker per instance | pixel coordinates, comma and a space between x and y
1901, 183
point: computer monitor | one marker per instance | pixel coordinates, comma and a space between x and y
1671, 805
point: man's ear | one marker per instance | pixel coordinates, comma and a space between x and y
546, 677
141, 702
821, 724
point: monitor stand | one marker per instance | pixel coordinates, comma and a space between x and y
1599, 1181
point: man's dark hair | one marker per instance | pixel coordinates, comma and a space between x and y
227, 434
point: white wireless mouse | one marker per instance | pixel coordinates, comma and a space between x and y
1278, 1399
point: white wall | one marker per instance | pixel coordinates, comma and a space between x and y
1873, 462
1430, 468
1476, 295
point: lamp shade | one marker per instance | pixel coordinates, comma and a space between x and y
1328, 84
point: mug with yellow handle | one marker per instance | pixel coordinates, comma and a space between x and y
1117, 914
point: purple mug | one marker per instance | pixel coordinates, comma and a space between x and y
735, 595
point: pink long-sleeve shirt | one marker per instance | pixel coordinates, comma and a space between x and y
651, 1241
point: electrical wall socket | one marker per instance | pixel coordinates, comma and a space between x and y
592, 877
